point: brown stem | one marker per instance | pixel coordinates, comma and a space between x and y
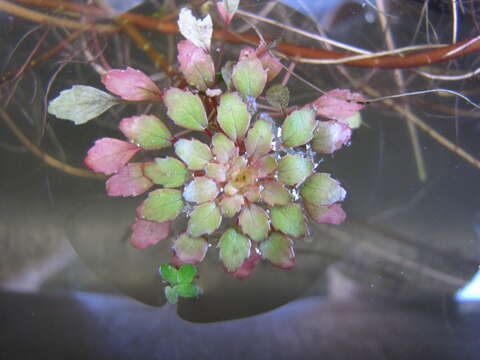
423, 58
46, 55
71, 170
145, 45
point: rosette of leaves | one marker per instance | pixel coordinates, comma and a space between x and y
254, 175
179, 282
245, 173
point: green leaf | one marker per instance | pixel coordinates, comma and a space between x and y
171, 295
354, 121
169, 274
274, 193
147, 131
223, 148
233, 116
249, 77
185, 109
293, 169
161, 205
231, 205
289, 219
201, 189
190, 250
216, 171
278, 96
186, 273
227, 72
298, 127
169, 172
265, 166
278, 249
204, 219
81, 104
194, 153
321, 189
254, 222
187, 290
259, 138
234, 249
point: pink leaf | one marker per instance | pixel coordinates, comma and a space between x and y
196, 65
131, 84
110, 155
248, 265
247, 52
326, 214
338, 104
129, 181
226, 16
271, 64
146, 233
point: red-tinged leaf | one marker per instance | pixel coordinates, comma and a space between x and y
146, 131
271, 64
234, 249
265, 166
248, 265
196, 65
129, 181
249, 77
247, 53
330, 136
189, 250
146, 233
226, 16
338, 104
326, 214
278, 249
131, 84
109, 155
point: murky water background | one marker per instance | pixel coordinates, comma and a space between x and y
407, 245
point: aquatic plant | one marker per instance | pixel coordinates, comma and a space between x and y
246, 180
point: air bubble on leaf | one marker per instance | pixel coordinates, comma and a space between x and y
251, 104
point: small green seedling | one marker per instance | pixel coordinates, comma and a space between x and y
180, 282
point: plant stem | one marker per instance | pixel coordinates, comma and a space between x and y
71, 170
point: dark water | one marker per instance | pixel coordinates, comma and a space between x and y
380, 286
